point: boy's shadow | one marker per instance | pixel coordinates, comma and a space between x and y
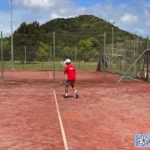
69, 96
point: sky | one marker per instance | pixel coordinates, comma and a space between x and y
129, 15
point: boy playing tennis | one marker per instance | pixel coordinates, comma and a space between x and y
70, 70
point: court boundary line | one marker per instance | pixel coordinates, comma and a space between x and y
61, 123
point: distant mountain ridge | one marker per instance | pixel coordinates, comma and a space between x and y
86, 24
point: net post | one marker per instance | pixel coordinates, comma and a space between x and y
2, 61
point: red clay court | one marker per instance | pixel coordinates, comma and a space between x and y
35, 116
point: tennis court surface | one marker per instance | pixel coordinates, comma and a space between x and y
106, 116
49, 76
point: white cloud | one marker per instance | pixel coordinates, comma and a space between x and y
36, 4
129, 19
48, 9
54, 16
45, 5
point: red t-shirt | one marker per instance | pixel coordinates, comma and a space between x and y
71, 72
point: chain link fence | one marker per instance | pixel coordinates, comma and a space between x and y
91, 53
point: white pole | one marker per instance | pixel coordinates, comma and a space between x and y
12, 61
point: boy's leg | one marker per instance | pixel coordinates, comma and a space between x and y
74, 88
75, 91
66, 89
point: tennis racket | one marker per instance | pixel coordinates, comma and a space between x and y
62, 63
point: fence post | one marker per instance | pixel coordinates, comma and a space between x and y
137, 56
125, 61
116, 59
50, 52
25, 56
2, 62
53, 56
104, 71
12, 45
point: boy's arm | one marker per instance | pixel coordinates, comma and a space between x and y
65, 70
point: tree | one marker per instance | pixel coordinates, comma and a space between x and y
42, 53
67, 52
6, 49
28, 35
87, 48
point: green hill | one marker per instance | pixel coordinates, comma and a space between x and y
86, 25
85, 32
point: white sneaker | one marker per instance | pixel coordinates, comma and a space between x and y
77, 94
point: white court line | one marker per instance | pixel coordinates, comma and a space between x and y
60, 122
50, 74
